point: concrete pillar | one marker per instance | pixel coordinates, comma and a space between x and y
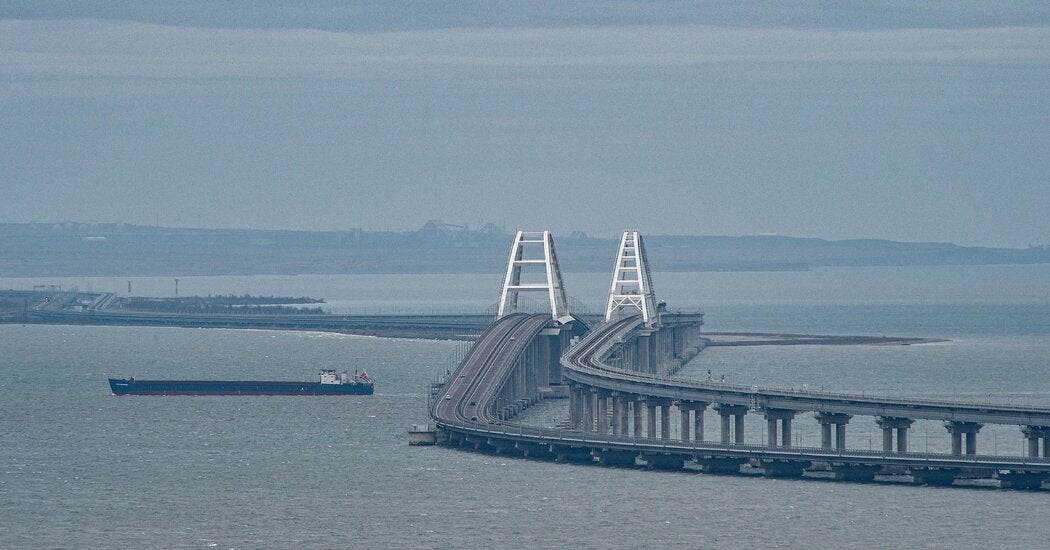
698, 423
654, 358
684, 413
784, 417
616, 414
603, 413
665, 420
574, 407
1032, 434
588, 411
1046, 446
725, 426
957, 430
624, 415
890, 423
642, 343
650, 419
737, 412
637, 406
827, 420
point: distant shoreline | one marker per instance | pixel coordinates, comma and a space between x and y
737, 339
118, 250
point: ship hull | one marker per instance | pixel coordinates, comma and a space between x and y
233, 387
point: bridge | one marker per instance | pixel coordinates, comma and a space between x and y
623, 398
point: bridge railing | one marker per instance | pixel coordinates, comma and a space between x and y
593, 361
641, 444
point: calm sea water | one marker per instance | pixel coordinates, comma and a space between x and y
80, 467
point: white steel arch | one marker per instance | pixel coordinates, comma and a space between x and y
632, 284
542, 256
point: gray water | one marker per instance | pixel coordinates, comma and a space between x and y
80, 467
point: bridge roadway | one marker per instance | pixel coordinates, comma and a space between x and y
583, 364
464, 412
469, 396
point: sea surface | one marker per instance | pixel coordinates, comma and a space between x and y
81, 468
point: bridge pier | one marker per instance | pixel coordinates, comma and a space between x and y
784, 417
665, 419
575, 415
692, 419
617, 403
737, 412
636, 407
603, 412
890, 423
625, 424
1033, 434
957, 430
588, 410
650, 418
839, 421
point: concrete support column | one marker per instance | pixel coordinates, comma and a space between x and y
665, 419
827, 420
890, 423
603, 413
650, 419
698, 422
637, 406
642, 343
574, 404
617, 403
684, 412
957, 430
1032, 434
624, 422
588, 410
737, 412
725, 426
784, 417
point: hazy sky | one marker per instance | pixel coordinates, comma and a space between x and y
916, 121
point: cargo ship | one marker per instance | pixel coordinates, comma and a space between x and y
330, 383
